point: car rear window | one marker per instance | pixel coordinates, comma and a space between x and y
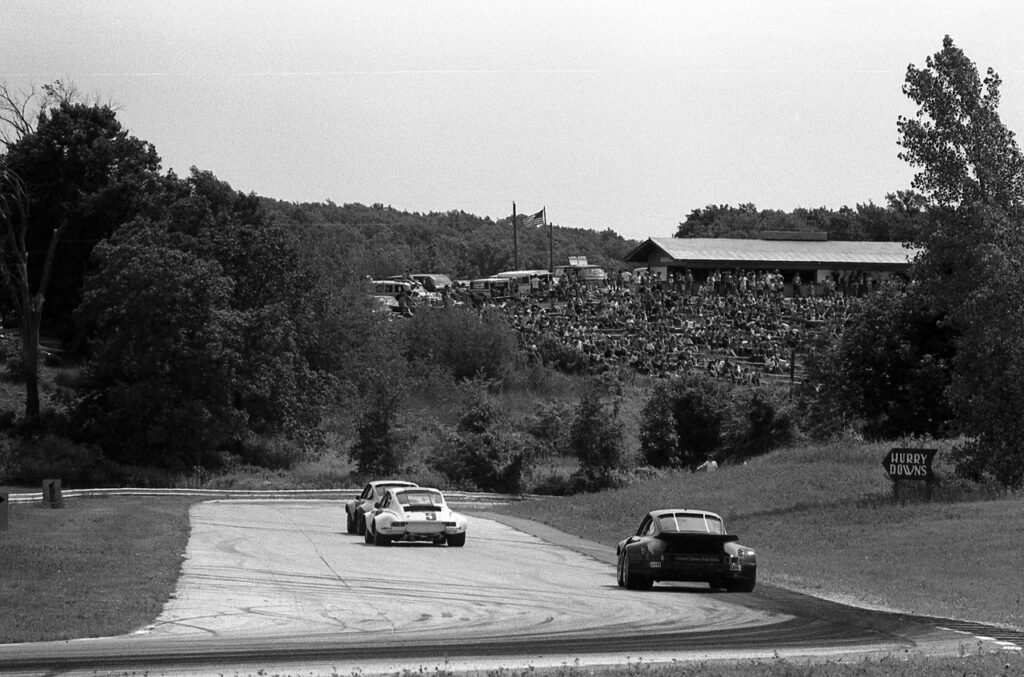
688, 522
415, 499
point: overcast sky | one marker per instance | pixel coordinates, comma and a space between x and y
621, 115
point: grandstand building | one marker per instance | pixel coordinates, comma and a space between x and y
811, 255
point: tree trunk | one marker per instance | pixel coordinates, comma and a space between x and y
30, 322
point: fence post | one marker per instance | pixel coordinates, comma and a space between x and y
5, 501
52, 494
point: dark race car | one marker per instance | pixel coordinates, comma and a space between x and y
685, 545
355, 511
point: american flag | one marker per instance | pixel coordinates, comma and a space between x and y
532, 220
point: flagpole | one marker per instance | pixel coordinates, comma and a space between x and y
515, 239
551, 243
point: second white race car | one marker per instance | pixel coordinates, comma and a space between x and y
414, 514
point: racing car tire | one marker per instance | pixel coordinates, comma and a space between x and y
457, 540
360, 520
380, 539
620, 576
367, 535
633, 581
350, 522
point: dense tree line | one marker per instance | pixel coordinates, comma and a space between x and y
354, 241
899, 220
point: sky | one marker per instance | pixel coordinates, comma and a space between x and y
610, 115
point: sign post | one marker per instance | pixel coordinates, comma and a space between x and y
52, 494
5, 501
909, 464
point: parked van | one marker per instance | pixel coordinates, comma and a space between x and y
391, 287
492, 287
587, 273
523, 279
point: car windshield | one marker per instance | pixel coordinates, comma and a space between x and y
690, 522
420, 500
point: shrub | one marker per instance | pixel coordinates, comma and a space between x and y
8, 467
468, 342
761, 424
36, 459
484, 454
379, 448
683, 422
549, 426
659, 442
273, 453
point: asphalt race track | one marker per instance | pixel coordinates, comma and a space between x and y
279, 586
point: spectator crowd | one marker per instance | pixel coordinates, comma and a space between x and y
738, 325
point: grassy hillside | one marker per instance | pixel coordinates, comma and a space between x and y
822, 520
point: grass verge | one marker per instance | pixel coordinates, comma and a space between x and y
95, 568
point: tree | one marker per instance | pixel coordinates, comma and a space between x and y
965, 153
380, 447
158, 388
69, 178
202, 316
971, 171
890, 366
85, 176
596, 434
14, 271
684, 421
19, 110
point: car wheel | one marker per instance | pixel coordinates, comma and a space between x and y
457, 540
746, 585
350, 522
380, 539
620, 575
635, 581
367, 534
360, 520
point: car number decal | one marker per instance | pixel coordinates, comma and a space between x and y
431, 516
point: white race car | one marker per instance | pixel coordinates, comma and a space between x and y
355, 510
414, 514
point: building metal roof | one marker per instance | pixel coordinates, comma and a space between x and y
759, 253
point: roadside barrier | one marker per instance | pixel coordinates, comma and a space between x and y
480, 500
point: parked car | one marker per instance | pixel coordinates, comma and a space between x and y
685, 545
433, 281
355, 510
414, 514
